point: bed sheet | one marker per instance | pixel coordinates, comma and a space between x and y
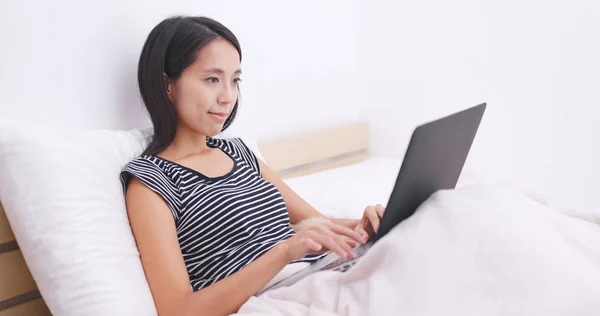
344, 192
477, 250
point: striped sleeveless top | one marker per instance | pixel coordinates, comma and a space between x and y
223, 223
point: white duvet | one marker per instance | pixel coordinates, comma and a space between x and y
477, 250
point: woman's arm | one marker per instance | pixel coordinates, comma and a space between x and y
156, 238
154, 230
298, 208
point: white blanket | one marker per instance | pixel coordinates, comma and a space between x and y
478, 250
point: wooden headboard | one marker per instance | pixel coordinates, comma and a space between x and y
319, 150
291, 156
18, 292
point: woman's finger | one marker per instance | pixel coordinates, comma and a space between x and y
373, 218
362, 231
351, 243
379, 209
343, 230
331, 244
311, 244
341, 240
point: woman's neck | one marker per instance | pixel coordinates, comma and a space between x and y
186, 143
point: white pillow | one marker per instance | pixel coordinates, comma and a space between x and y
62, 195
61, 192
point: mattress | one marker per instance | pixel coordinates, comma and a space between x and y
344, 192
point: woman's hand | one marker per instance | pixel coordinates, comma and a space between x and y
369, 223
321, 237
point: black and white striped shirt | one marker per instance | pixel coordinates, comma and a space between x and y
223, 223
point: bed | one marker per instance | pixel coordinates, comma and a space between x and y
337, 153
18, 291
333, 170
320, 175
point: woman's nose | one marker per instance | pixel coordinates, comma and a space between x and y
228, 94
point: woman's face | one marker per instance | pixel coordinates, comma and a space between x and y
206, 91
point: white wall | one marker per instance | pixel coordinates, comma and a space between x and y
74, 62
310, 64
535, 62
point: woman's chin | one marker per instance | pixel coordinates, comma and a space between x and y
210, 130
214, 131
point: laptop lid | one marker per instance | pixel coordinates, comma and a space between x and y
433, 161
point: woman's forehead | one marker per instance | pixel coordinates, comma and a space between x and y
219, 54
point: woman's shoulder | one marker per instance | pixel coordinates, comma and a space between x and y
143, 167
146, 163
142, 160
237, 147
152, 175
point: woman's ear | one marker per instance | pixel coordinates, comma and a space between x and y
168, 86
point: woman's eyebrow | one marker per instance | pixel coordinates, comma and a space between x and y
221, 71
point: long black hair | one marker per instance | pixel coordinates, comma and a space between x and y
171, 47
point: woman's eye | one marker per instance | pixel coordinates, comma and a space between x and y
212, 80
237, 80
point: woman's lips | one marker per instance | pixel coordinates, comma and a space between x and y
221, 117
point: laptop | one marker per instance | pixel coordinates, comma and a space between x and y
433, 161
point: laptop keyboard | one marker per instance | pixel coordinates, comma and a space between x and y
343, 264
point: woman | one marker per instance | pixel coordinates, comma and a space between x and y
211, 221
